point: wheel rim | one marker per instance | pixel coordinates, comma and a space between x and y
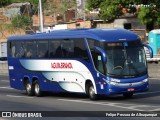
28, 88
36, 88
91, 92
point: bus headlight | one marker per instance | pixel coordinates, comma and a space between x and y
113, 83
145, 80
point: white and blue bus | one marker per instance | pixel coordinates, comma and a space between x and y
91, 61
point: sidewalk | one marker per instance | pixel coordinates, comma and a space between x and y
154, 70
3, 68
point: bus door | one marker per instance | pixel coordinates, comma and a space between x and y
100, 65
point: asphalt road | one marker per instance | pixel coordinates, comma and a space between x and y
15, 100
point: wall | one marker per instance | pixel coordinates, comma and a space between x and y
135, 23
119, 23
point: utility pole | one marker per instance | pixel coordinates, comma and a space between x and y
41, 15
84, 14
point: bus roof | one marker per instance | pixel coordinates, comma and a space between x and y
109, 35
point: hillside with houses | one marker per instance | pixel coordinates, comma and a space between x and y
23, 18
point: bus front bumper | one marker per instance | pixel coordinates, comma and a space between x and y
127, 87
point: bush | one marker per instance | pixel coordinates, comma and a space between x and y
21, 21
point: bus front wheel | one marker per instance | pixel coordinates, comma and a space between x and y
128, 95
29, 89
91, 92
37, 90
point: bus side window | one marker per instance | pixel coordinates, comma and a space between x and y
59, 53
20, 49
16, 49
29, 53
54, 49
42, 49
97, 58
80, 50
31, 49
9, 48
13, 51
67, 48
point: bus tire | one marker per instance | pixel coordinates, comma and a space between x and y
91, 92
37, 90
128, 95
29, 89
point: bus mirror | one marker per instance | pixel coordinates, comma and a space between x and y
104, 57
150, 50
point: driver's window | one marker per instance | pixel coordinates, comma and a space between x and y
96, 56
100, 63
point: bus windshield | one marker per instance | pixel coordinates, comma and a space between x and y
125, 59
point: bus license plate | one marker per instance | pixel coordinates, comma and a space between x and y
130, 89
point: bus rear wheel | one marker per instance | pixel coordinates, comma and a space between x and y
91, 92
128, 95
37, 90
29, 89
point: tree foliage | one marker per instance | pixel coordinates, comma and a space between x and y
21, 21
93, 4
4, 2
111, 9
149, 15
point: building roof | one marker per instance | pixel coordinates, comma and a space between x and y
109, 35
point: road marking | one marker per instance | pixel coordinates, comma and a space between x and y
98, 103
146, 93
113, 105
6, 87
4, 80
152, 78
158, 109
138, 106
18, 96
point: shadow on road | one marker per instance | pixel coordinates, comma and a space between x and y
118, 97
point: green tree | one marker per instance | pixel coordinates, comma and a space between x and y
4, 2
22, 22
93, 4
110, 10
150, 16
